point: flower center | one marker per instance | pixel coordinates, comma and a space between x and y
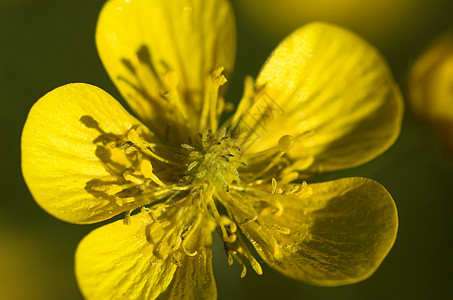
212, 161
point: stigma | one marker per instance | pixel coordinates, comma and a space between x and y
212, 161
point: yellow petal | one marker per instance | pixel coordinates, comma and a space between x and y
329, 90
429, 88
194, 278
116, 261
135, 261
327, 234
155, 50
63, 156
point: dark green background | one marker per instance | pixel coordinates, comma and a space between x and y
48, 43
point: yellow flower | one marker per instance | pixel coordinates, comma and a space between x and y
430, 88
324, 100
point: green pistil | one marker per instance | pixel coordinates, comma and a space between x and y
213, 160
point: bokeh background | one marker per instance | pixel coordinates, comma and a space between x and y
48, 43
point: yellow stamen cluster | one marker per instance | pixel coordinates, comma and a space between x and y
197, 181
172, 238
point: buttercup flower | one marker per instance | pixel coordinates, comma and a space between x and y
430, 88
323, 101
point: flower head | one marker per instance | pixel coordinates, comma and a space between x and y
430, 88
324, 100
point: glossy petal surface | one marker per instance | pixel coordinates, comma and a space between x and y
328, 234
134, 261
329, 90
116, 261
156, 49
194, 278
64, 160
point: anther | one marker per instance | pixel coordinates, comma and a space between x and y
176, 244
147, 170
256, 266
192, 165
175, 261
248, 220
285, 143
274, 186
244, 271
281, 229
187, 252
127, 217
187, 147
126, 145
230, 259
291, 190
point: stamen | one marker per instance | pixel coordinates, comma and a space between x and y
187, 147
176, 243
176, 261
187, 252
274, 186
224, 221
248, 220
172, 94
186, 235
230, 259
192, 165
132, 176
144, 198
212, 103
239, 259
147, 170
125, 145
127, 217
114, 189
253, 262
292, 190
147, 148
217, 80
281, 229
285, 143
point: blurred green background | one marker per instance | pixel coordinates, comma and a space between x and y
48, 43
